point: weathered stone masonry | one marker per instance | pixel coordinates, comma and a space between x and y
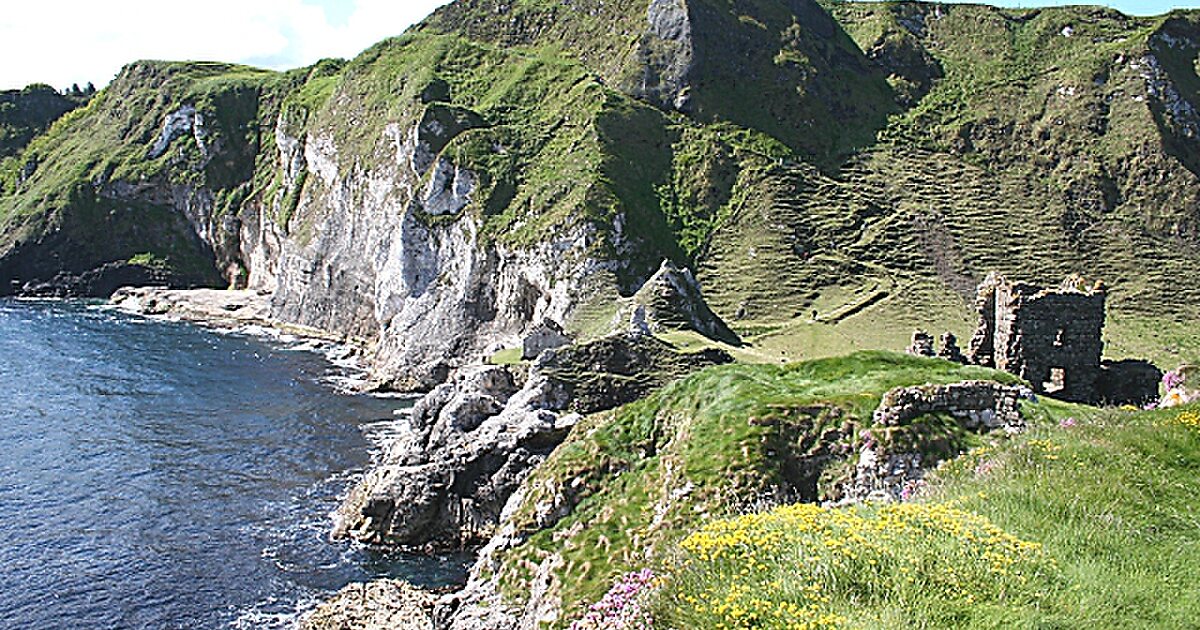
1052, 338
881, 474
1049, 337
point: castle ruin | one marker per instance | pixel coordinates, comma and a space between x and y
1051, 338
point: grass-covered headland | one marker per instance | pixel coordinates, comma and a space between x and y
1085, 520
1088, 522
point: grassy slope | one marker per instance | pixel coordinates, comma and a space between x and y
109, 141
1032, 156
797, 78
1029, 155
1108, 503
26, 113
641, 476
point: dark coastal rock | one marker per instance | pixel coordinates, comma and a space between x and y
100, 282
469, 443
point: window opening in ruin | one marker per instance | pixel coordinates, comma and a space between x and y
1060, 338
1057, 382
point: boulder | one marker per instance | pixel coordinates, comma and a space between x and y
545, 336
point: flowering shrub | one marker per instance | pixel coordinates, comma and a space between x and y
1190, 419
1172, 379
797, 566
623, 607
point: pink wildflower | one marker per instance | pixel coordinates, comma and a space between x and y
621, 607
911, 489
1171, 380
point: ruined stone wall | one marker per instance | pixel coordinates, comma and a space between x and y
1051, 338
979, 405
882, 474
981, 350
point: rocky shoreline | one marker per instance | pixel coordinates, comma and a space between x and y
458, 458
215, 308
453, 475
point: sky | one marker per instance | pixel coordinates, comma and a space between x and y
62, 42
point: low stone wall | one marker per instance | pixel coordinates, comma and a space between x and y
881, 475
979, 404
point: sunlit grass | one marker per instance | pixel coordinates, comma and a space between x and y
1086, 522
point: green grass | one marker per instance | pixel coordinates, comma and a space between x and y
908, 565
1105, 503
507, 356
629, 483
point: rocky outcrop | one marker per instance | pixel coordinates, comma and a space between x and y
221, 308
469, 443
672, 299
667, 53
545, 336
467, 446
384, 604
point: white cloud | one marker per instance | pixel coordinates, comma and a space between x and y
62, 42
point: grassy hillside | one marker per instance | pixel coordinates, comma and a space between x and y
1084, 523
97, 193
1038, 143
848, 175
629, 484
795, 76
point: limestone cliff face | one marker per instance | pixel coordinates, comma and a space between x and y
382, 230
385, 252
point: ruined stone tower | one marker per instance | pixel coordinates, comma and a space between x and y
1049, 337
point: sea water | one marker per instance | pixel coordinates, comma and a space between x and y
159, 475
